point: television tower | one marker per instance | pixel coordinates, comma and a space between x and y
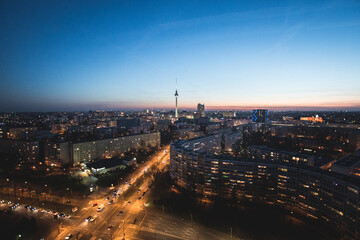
176, 107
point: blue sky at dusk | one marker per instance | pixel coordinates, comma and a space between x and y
81, 55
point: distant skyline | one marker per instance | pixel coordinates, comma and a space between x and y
280, 55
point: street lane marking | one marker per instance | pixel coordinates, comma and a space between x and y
147, 229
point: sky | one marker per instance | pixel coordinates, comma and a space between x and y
82, 55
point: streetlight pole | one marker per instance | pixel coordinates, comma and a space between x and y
26, 187
70, 195
8, 187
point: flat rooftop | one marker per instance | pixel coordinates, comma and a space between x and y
265, 148
105, 163
348, 161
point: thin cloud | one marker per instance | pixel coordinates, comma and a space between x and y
233, 16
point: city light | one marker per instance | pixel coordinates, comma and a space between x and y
191, 119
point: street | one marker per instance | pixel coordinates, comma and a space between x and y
122, 213
108, 223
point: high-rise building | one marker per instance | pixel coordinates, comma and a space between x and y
25, 151
57, 153
201, 109
260, 116
199, 166
14, 133
111, 147
64, 118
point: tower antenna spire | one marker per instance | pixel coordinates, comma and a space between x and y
176, 103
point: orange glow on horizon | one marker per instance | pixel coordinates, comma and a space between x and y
188, 106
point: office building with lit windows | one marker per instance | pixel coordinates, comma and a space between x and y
201, 110
25, 151
196, 165
275, 155
260, 116
14, 133
107, 148
57, 153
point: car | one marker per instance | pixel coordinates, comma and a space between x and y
135, 219
109, 228
139, 198
107, 198
55, 216
69, 236
90, 219
14, 206
27, 207
61, 215
128, 203
100, 209
2, 201
95, 204
111, 202
121, 212
32, 208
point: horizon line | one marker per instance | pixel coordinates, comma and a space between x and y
209, 108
